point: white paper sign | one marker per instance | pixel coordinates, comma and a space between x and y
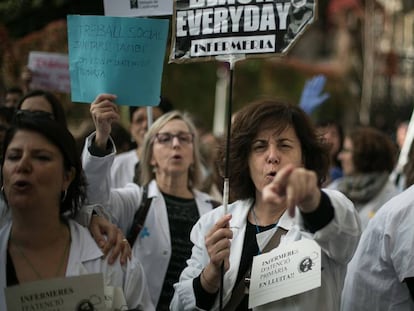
115, 299
131, 8
50, 71
285, 271
85, 292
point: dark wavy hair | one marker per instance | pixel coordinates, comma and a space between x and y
57, 134
265, 114
57, 108
372, 150
339, 129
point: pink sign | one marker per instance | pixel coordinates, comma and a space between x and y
50, 71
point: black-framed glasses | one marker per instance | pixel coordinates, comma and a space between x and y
166, 138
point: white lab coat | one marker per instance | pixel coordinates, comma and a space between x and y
153, 246
85, 257
123, 168
383, 260
338, 241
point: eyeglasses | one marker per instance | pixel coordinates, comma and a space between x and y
167, 138
38, 114
346, 150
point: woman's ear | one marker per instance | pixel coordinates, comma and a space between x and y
153, 162
68, 177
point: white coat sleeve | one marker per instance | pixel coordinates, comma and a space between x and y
120, 203
339, 239
135, 287
97, 171
83, 217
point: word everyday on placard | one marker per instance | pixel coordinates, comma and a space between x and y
206, 28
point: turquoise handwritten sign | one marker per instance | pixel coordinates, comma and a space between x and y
116, 55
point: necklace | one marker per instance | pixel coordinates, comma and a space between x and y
257, 224
59, 268
259, 235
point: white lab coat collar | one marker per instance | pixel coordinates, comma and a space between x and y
83, 248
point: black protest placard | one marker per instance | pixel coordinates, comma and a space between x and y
203, 29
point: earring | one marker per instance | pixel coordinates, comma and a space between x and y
2, 191
63, 195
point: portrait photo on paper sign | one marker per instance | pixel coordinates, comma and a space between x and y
117, 55
204, 29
